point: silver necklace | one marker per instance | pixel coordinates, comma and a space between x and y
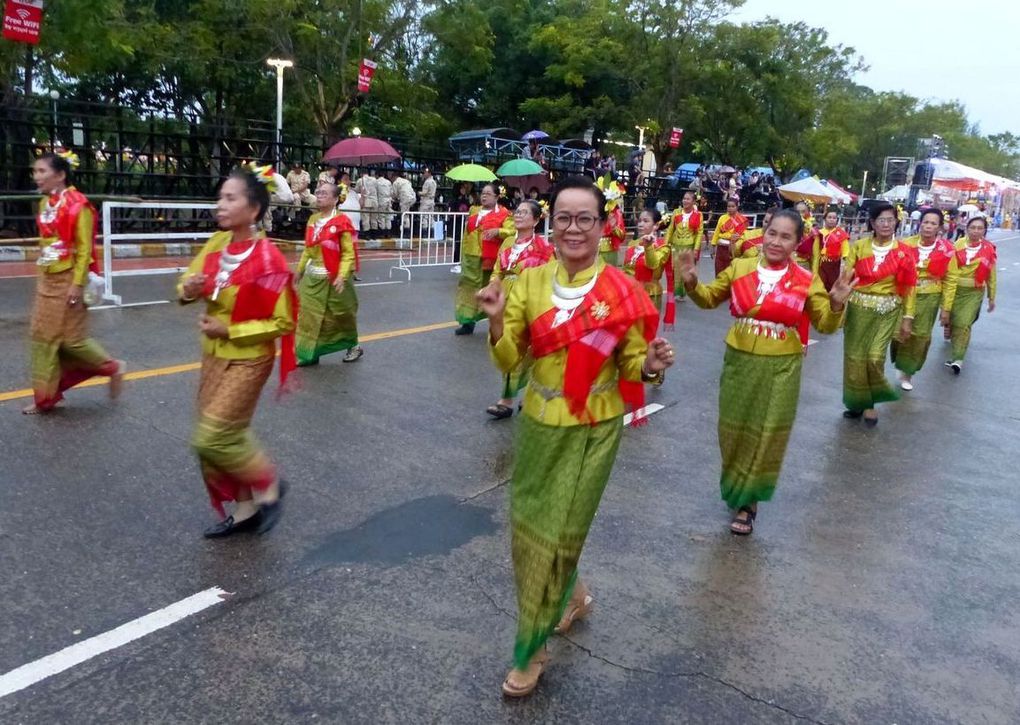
49, 212
228, 263
568, 299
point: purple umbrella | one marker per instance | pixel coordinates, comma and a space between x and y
535, 135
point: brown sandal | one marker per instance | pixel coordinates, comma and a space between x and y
576, 609
743, 527
531, 676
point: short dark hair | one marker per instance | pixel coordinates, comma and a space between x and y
582, 183
979, 218
933, 211
58, 163
493, 184
877, 210
254, 190
792, 216
655, 214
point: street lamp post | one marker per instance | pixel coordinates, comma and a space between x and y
54, 96
279, 64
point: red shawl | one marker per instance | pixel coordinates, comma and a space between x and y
938, 260
591, 335
694, 222
537, 253
329, 237
614, 229
644, 275
490, 247
260, 280
63, 227
786, 304
898, 263
986, 257
806, 248
734, 224
834, 243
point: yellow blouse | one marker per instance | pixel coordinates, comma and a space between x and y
966, 273
818, 248
928, 285
681, 236
656, 259
717, 235
81, 248
742, 336
530, 298
314, 254
471, 243
862, 249
246, 340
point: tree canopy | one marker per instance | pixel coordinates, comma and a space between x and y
746, 94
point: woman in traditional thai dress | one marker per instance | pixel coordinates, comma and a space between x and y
774, 301
728, 231
647, 257
328, 321
525, 250
614, 230
62, 353
884, 278
831, 247
975, 257
249, 300
487, 227
937, 270
684, 233
806, 247
591, 330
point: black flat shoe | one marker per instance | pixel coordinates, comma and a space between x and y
499, 411
227, 527
270, 513
468, 329
853, 414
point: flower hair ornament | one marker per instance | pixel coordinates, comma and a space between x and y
544, 206
264, 175
502, 191
70, 157
341, 193
613, 190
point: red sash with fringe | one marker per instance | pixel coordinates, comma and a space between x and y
329, 238
591, 335
733, 225
490, 247
260, 280
63, 226
898, 263
786, 304
986, 257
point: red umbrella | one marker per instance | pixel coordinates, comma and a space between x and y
361, 151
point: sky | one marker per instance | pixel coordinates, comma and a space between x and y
938, 49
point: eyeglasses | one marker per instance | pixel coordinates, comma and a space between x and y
585, 222
885, 220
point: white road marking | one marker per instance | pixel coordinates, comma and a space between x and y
650, 409
811, 341
65, 659
376, 284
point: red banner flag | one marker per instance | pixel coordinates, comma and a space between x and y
23, 20
675, 137
365, 74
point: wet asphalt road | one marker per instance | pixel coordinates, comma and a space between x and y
879, 586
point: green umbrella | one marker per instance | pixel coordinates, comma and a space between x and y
519, 167
470, 172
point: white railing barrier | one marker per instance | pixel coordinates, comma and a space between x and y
429, 239
109, 236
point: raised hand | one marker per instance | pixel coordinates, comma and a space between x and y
841, 290
193, 286
659, 357
492, 300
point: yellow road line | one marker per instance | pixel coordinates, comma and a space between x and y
188, 367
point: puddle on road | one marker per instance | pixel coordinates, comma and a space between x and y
417, 528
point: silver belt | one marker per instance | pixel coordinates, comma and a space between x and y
879, 303
774, 330
548, 394
314, 270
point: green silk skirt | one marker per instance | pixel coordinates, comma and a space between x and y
866, 337
909, 356
327, 320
